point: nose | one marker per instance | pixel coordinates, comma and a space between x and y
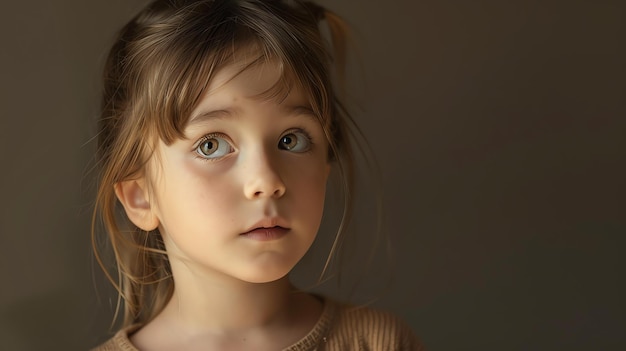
262, 179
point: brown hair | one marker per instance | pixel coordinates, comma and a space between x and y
155, 75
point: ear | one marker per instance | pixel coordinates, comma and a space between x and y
134, 197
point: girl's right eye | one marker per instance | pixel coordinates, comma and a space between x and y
213, 147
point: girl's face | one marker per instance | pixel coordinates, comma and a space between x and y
243, 194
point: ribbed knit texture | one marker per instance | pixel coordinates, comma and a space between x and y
340, 328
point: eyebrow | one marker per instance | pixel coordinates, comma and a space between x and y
299, 110
295, 110
209, 115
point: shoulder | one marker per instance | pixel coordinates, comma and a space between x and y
119, 342
371, 329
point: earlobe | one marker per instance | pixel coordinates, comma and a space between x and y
134, 197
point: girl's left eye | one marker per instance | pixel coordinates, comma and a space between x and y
295, 142
214, 147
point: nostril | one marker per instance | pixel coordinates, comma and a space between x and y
261, 187
279, 192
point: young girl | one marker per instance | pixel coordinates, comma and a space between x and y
219, 129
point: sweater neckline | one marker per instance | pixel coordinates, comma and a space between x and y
319, 333
317, 336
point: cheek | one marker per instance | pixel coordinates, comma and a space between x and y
310, 186
195, 192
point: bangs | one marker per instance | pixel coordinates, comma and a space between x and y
251, 55
208, 36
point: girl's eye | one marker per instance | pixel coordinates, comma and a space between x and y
214, 147
295, 142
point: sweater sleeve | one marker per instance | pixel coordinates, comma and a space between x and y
119, 342
372, 330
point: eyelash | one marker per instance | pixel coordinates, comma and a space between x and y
205, 138
223, 136
306, 134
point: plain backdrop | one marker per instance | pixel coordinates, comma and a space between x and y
499, 128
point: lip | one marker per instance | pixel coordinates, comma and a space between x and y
266, 234
269, 222
267, 229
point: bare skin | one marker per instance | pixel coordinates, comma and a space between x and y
269, 316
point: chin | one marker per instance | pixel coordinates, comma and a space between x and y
265, 274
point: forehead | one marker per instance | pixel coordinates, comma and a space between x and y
251, 77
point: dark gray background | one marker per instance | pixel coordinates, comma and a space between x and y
498, 125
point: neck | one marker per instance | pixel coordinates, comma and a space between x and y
213, 310
220, 304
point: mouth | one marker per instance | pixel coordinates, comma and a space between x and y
266, 233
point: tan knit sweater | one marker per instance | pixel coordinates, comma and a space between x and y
340, 328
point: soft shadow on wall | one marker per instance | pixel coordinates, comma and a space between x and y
499, 126
50, 67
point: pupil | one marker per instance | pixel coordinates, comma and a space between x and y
287, 140
208, 146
